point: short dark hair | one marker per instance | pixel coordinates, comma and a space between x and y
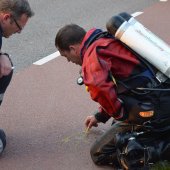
16, 8
69, 35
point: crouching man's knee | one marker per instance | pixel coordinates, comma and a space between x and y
103, 155
95, 154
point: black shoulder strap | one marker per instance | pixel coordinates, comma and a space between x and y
98, 36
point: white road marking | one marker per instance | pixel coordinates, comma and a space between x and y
163, 0
136, 14
48, 58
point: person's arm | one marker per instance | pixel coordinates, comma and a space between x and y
5, 64
96, 118
101, 88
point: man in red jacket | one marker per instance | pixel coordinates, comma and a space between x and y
112, 73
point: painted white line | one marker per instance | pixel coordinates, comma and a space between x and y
136, 14
163, 0
48, 58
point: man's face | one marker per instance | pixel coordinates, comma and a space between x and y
11, 25
73, 55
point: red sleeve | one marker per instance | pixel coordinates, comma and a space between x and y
101, 89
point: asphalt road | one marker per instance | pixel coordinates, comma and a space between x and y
43, 110
37, 39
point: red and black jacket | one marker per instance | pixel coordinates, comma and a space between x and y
102, 58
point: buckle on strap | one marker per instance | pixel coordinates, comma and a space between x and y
161, 77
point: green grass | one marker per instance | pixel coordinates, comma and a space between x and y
161, 166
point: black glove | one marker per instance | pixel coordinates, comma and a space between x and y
101, 117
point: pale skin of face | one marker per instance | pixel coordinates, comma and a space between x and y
8, 25
73, 54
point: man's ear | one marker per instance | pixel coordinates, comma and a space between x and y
6, 16
72, 47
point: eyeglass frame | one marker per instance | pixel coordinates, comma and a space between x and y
19, 27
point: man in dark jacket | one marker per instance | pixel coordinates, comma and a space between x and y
112, 74
14, 15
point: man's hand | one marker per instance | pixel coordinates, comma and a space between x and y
91, 121
5, 65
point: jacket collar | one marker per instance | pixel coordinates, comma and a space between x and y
87, 39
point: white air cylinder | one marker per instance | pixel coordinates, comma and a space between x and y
127, 33
145, 32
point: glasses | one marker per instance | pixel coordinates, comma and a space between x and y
19, 27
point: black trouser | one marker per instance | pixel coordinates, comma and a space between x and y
4, 82
103, 150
